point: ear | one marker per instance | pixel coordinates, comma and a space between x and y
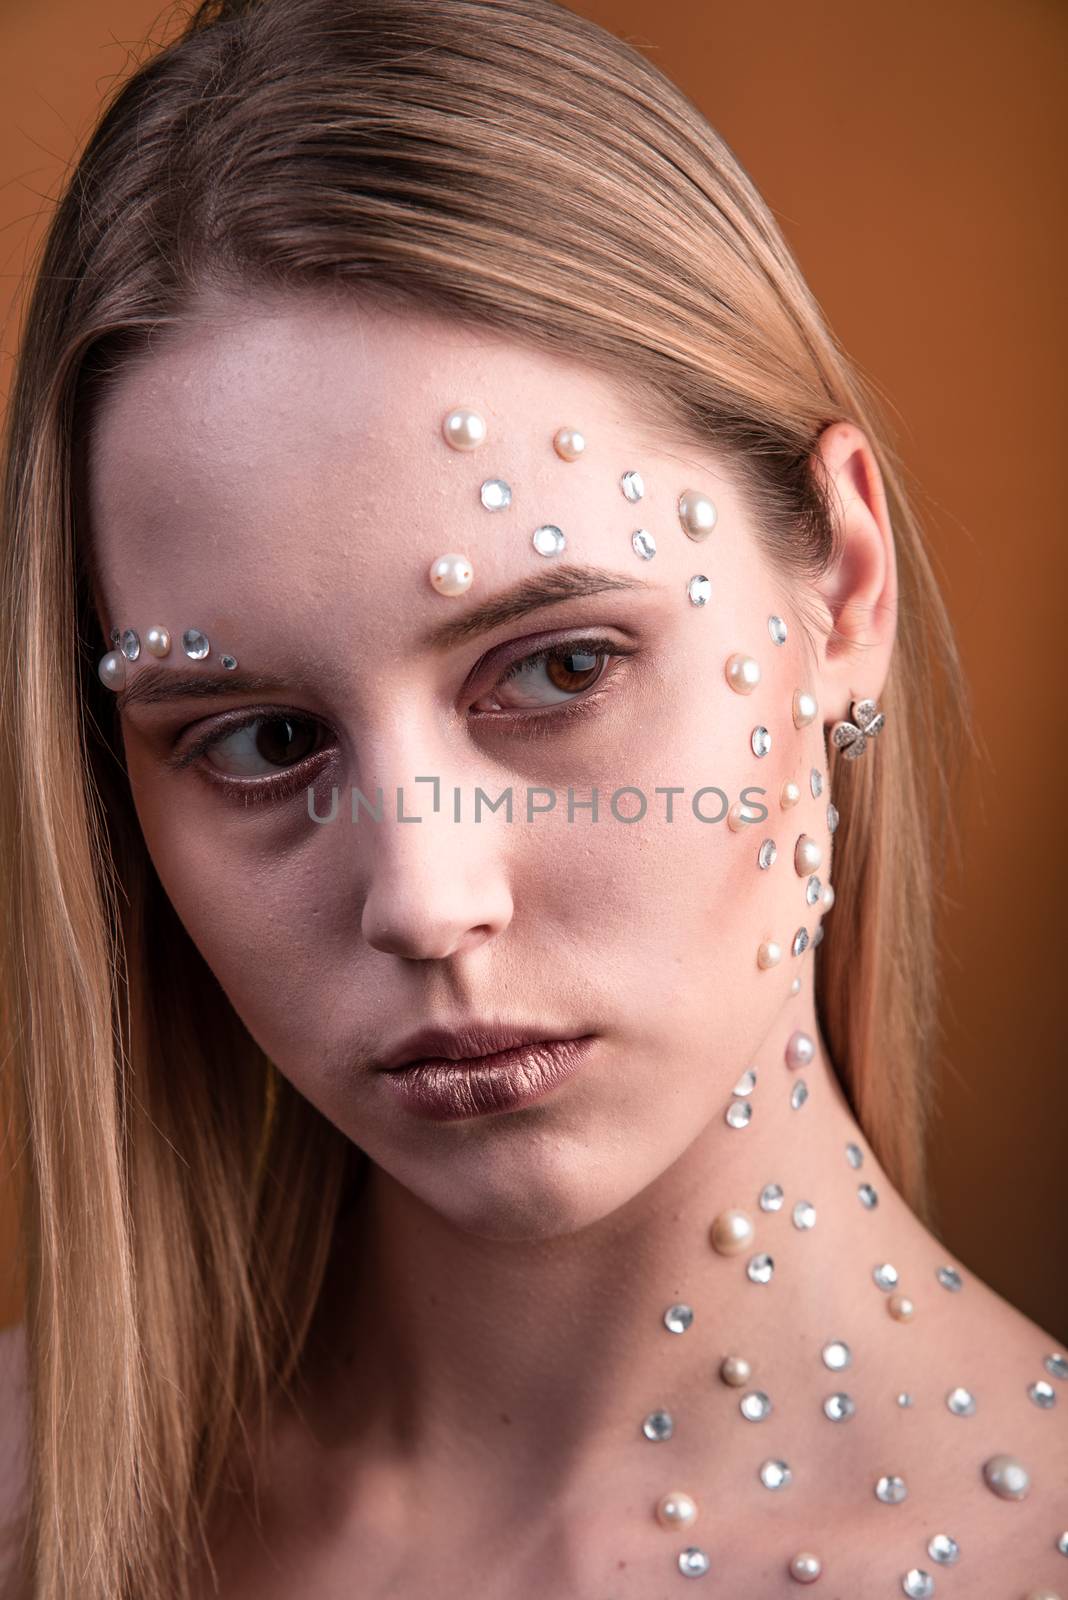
859, 590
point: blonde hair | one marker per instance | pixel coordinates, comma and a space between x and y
505, 162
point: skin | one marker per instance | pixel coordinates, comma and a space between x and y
492, 1337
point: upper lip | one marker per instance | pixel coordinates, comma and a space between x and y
464, 1043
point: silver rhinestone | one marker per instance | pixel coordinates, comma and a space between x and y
798, 1094
885, 1276
658, 1425
817, 936
746, 1083
644, 543
837, 1355
943, 1549
839, 1407
131, 644
815, 782
771, 1197
949, 1278
739, 1113
760, 1269
754, 1406
228, 663
800, 944
777, 629
678, 1318
1042, 1393
891, 1490
195, 644
699, 590
1062, 1544
775, 1475
904, 1399
495, 494
917, 1584
633, 486
961, 1402
115, 635
693, 1563
1007, 1477
813, 890
760, 741
1056, 1365
867, 1196
854, 1154
766, 855
832, 818
548, 540
804, 1214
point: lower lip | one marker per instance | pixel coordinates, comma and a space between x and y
479, 1086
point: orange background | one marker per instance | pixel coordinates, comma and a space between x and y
911, 153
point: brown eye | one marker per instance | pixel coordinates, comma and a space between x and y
559, 673
263, 746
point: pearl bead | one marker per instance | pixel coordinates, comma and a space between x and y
739, 816
769, 954
451, 574
789, 794
743, 673
900, 1308
732, 1232
805, 708
569, 443
735, 1370
697, 514
1008, 1477
111, 670
464, 429
800, 1049
827, 897
795, 987
676, 1509
805, 1567
807, 856
158, 641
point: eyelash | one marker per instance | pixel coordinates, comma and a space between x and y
541, 723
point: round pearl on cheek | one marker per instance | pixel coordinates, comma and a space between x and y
463, 429
827, 897
158, 641
807, 856
676, 1510
800, 1049
805, 708
731, 1232
769, 954
805, 1567
901, 1308
789, 794
111, 670
743, 673
739, 817
451, 574
568, 443
735, 1370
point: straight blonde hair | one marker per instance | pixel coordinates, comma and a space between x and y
510, 164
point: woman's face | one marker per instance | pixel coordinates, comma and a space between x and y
276, 476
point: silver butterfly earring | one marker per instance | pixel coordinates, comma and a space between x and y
851, 738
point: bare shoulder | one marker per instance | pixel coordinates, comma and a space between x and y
14, 1436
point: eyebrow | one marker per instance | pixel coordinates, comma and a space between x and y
154, 685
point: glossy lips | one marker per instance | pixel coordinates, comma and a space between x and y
447, 1088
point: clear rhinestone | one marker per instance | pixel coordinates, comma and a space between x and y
548, 540
746, 1083
949, 1278
885, 1276
644, 544
693, 1563
658, 1425
115, 635
854, 1155
839, 1407
837, 1355
775, 1475
766, 855
961, 1402
813, 890
739, 1113
867, 1196
1006, 1477
1056, 1365
904, 1398
1062, 1544
760, 1269
917, 1584
817, 936
131, 644
228, 663
1042, 1393
495, 494
798, 1094
891, 1490
800, 944
804, 1214
754, 1406
771, 1197
832, 818
699, 590
195, 644
678, 1318
777, 629
633, 486
815, 782
943, 1549
760, 741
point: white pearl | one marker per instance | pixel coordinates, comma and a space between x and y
731, 1232
464, 429
451, 574
807, 856
112, 670
1008, 1477
158, 641
769, 954
806, 1567
696, 513
740, 816
805, 708
676, 1509
568, 443
827, 897
795, 987
901, 1307
800, 1049
743, 673
789, 794
735, 1370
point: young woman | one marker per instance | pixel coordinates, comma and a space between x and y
476, 723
